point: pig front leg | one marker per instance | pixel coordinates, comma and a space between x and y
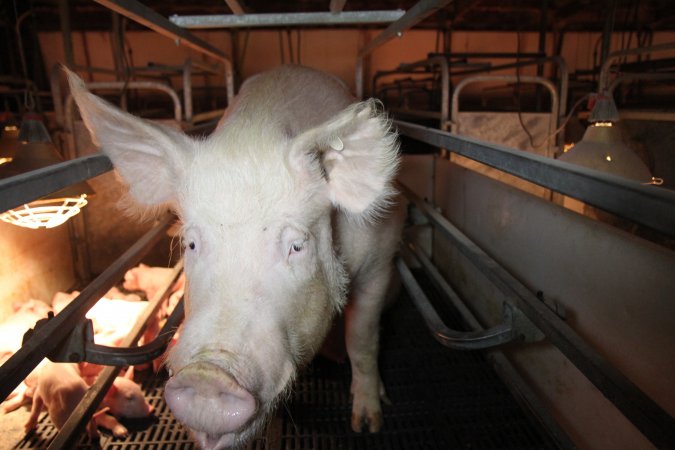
362, 323
111, 423
35, 411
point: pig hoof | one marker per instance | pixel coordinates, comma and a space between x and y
119, 431
373, 420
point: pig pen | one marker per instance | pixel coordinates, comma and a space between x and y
575, 353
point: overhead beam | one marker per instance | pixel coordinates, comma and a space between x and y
337, 6
156, 22
285, 19
419, 12
237, 7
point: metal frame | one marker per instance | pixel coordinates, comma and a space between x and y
151, 19
643, 204
652, 420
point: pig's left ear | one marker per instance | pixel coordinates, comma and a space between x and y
148, 156
356, 152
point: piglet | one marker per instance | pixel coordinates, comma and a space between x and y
60, 388
13, 328
149, 279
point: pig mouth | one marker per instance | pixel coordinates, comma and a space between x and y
210, 442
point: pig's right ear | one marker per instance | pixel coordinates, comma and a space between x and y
148, 156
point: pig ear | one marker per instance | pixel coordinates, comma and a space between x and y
356, 152
148, 156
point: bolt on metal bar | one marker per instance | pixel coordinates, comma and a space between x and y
652, 420
48, 337
643, 204
26, 187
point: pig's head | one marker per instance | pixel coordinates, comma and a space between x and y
256, 203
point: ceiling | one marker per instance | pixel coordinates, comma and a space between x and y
478, 15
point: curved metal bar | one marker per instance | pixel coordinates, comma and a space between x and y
649, 417
603, 83
130, 356
152, 85
458, 340
555, 108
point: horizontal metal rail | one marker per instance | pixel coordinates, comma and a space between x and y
643, 204
285, 19
652, 420
26, 187
47, 338
458, 340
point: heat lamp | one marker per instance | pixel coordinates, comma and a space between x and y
34, 149
602, 146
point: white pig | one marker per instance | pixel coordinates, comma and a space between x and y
285, 208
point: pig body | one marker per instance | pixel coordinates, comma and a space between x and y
287, 214
60, 388
15, 326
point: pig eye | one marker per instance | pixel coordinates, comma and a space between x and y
297, 247
191, 240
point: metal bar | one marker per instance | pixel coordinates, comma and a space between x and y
156, 22
652, 420
458, 340
45, 339
26, 187
644, 204
501, 364
419, 12
553, 122
285, 19
336, 6
121, 85
67, 436
603, 82
236, 7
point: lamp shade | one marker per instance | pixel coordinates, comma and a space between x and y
602, 148
35, 151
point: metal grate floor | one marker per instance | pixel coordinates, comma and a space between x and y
440, 399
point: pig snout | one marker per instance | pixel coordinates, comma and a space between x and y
209, 401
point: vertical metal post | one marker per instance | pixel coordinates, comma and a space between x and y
64, 16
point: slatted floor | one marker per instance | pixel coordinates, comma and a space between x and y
440, 399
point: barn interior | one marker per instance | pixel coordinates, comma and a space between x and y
538, 160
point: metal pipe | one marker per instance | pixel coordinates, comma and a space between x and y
654, 422
414, 15
149, 18
47, 338
187, 89
603, 83
458, 340
206, 22
150, 85
553, 124
87, 406
646, 205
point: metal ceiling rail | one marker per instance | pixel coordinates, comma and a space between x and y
285, 19
156, 22
652, 420
643, 204
26, 187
